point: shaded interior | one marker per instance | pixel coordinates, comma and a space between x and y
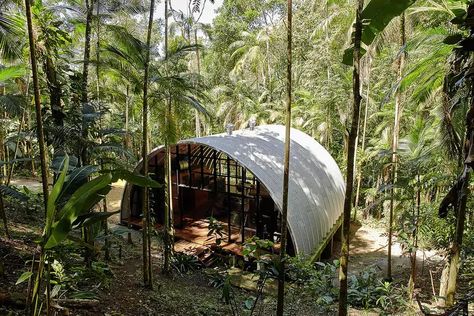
208, 183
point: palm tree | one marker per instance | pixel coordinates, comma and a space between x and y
396, 135
351, 161
168, 218
417, 151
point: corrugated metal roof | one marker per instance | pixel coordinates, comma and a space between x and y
316, 185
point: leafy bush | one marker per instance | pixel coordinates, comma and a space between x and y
319, 279
216, 277
367, 290
184, 263
216, 229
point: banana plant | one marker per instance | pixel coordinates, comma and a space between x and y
376, 16
67, 211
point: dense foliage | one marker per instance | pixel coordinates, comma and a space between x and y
233, 71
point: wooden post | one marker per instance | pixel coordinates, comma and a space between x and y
228, 201
190, 181
259, 215
242, 206
214, 165
201, 162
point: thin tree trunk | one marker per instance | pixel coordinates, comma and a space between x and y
17, 145
4, 216
286, 170
55, 91
328, 78
457, 242
168, 233
198, 60
366, 113
350, 163
127, 136
396, 135
37, 97
412, 281
147, 269
85, 80
41, 143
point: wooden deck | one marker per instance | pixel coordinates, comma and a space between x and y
193, 239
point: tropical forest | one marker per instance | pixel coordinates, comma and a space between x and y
236, 157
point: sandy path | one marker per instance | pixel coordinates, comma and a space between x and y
114, 198
369, 248
32, 184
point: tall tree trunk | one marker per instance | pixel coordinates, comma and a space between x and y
37, 97
455, 251
412, 281
55, 91
17, 146
350, 163
329, 111
364, 130
127, 111
3, 215
168, 231
396, 135
85, 80
147, 268
286, 170
198, 61
41, 143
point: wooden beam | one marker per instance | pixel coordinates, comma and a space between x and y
228, 200
242, 207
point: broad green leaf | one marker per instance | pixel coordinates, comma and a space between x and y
92, 218
13, 193
53, 196
25, 276
133, 178
80, 203
349, 55
376, 16
75, 179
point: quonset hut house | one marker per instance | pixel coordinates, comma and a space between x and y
237, 178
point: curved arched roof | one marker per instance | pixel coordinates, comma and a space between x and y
316, 185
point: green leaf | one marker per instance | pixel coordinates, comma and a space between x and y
348, 57
376, 16
80, 203
75, 179
53, 196
133, 178
25, 276
92, 218
13, 193
12, 72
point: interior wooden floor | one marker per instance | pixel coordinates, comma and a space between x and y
193, 238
